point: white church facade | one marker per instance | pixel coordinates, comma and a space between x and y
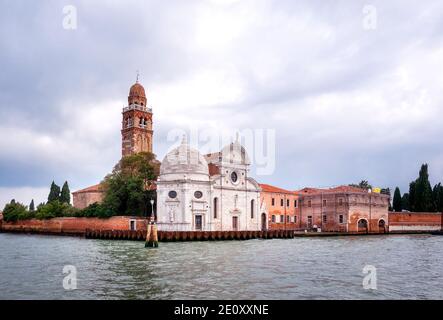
208, 193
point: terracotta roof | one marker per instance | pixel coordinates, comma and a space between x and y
94, 188
152, 187
213, 169
137, 90
269, 188
339, 189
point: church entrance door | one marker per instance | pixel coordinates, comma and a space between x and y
235, 223
198, 222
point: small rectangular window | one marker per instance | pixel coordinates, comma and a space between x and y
282, 218
288, 219
273, 218
340, 218
273, 201
324, 203
325, 219
340, 202
295, 219
281, 202
309, 203
295, 203
287, 203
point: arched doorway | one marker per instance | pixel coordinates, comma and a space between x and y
381, 226
362, 225
263, 222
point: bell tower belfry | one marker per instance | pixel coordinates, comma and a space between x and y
136, 123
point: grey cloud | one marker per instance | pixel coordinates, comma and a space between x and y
287, 57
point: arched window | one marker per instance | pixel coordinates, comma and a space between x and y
252, 208
215, 208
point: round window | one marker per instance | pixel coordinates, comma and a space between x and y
172, 194
198, 194
234, 177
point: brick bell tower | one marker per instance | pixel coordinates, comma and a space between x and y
137, 123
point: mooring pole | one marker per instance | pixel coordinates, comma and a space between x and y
151, 235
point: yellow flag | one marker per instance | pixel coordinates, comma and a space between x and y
376, 190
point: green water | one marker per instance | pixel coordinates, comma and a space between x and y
408, 267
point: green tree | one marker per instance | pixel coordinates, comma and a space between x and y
412, 196
397, 206
54, 193
405, 202
437, 195
423, 192
15, 211
32, 206
95, 210
65, 195
364, 184
128, 189
53, 209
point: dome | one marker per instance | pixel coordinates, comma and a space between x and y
235, 153
184, 160
137, 95
137, 90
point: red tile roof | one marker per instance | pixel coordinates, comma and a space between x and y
339, 189
269, 188
94, 188
152, 186
213, 169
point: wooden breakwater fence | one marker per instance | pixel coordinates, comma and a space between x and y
172, 236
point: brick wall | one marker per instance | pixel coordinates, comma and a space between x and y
415, 221
341, 212
73, 225
83, 199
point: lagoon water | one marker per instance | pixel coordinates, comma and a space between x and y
407, 267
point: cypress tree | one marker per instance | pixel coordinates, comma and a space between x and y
31, 206
405, 202
65, 195
412, 196
437, 195
54, 193
397, 200
423, 196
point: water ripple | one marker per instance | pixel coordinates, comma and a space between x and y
408, 267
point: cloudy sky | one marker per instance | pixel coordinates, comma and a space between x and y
351, 91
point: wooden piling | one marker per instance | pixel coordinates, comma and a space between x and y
151, 236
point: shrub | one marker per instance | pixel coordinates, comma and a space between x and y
53, 209
95, 210
15, 211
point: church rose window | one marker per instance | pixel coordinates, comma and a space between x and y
234, 177
198, 194
172, 194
